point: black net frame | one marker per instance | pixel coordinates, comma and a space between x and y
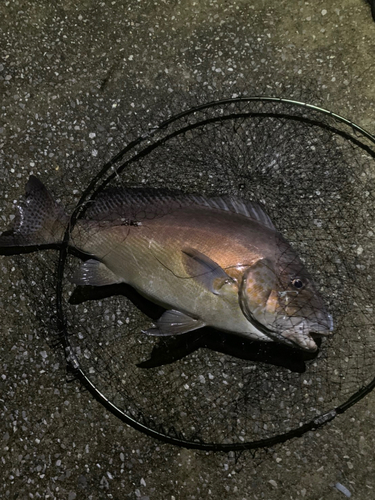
235, 112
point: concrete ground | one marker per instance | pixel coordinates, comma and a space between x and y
77, 81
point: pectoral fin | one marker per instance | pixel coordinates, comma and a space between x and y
94, 273
205, 271
174, 323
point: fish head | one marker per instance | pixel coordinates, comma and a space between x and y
280, 298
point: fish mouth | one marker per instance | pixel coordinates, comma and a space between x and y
300, 338
323, 329
307, 336
304, 341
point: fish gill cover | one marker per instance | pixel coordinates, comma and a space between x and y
313, 173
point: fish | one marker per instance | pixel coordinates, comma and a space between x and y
208, 261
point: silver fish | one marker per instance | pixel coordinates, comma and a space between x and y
218, 262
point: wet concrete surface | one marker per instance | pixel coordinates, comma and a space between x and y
77, 81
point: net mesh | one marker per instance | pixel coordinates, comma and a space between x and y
314, 174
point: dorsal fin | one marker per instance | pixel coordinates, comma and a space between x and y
229, 204
117, 202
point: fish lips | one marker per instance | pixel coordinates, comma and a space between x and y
306, 334
323, 328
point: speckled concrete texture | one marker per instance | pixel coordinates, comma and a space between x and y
77, 81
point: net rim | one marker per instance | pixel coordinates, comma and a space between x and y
72, 361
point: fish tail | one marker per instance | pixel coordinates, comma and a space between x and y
40, 219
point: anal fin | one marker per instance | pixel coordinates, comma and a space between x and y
174, 323
94, 273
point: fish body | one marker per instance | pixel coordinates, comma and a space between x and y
218, 262
159, 263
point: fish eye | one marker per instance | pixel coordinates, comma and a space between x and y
297, 283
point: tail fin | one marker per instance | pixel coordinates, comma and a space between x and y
39, 221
